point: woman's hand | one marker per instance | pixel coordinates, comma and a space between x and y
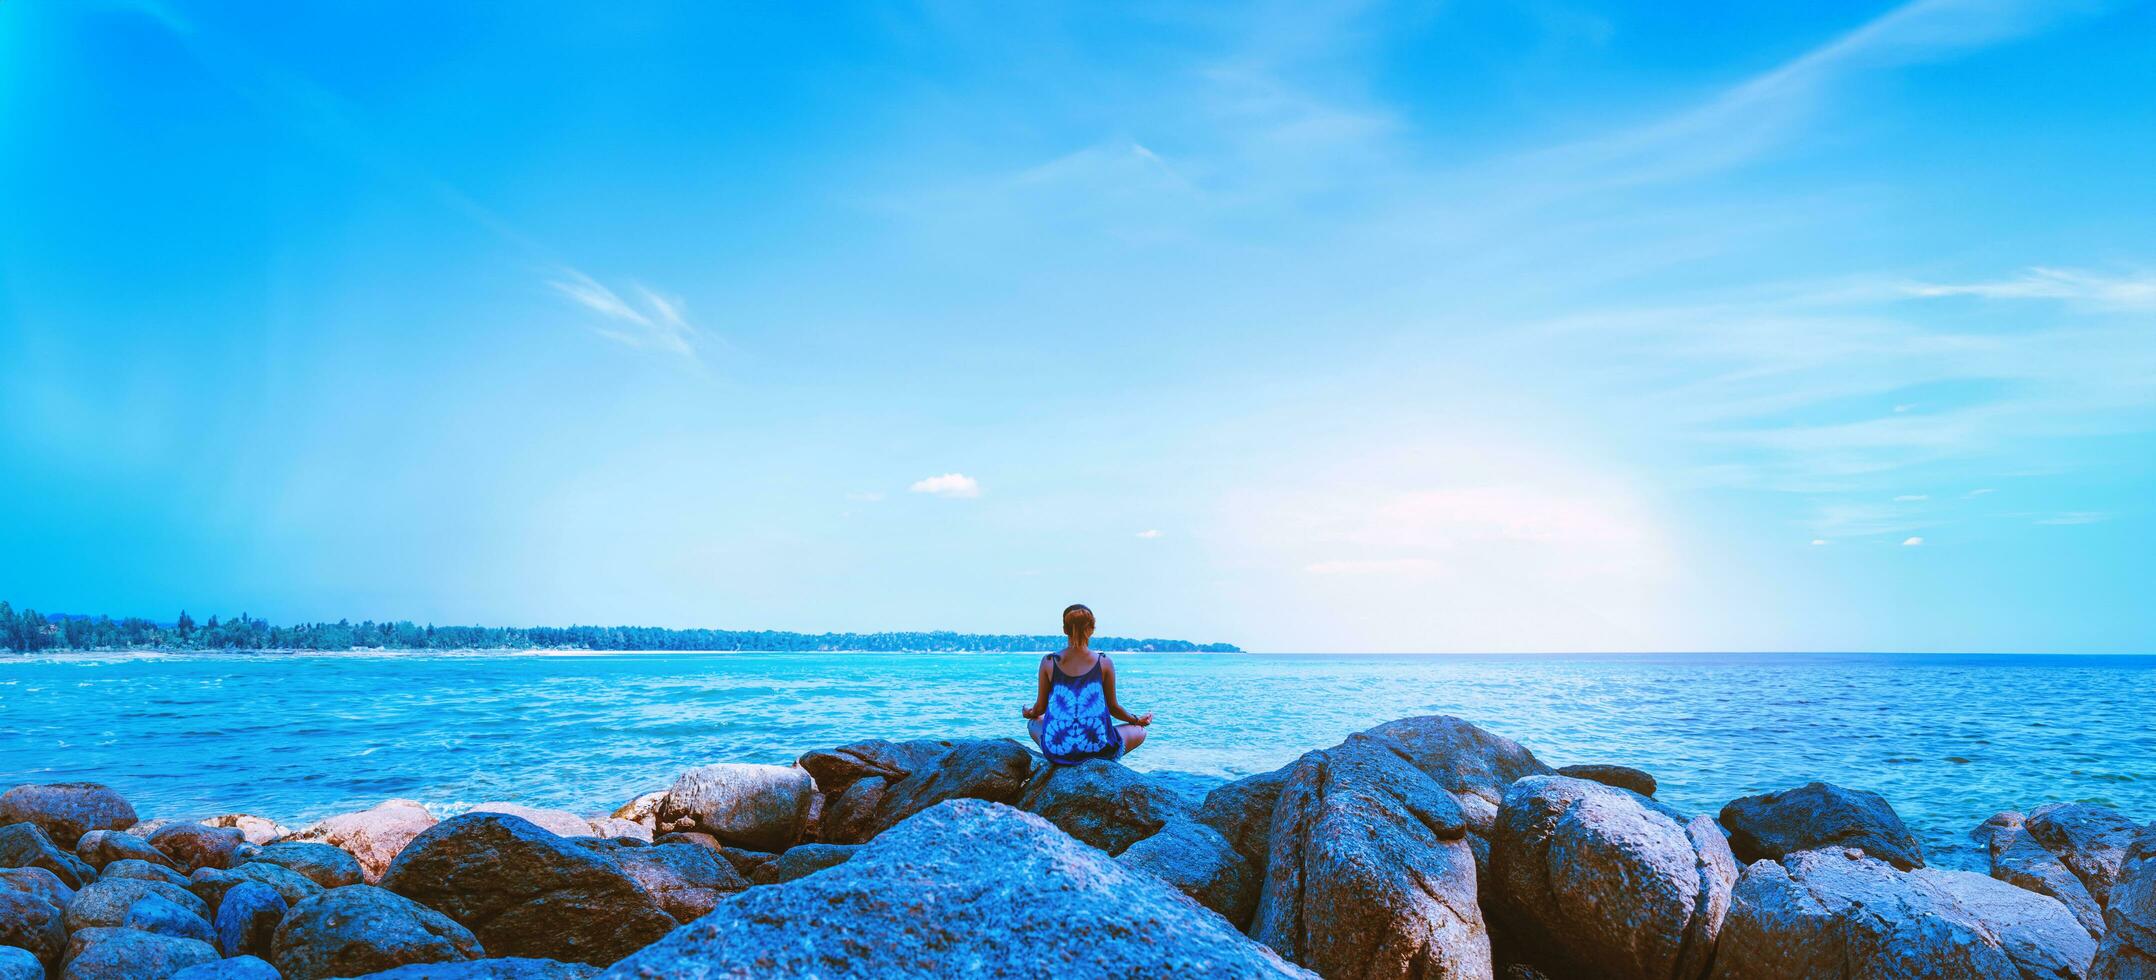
1028, 713
1143, 720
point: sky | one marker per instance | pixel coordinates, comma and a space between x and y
1460, 326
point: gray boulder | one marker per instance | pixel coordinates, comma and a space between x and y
66, 811
32, 923
361, 929
235, 968
131, 954
802, 860
247, 919
2018, 860
1102, 803
99, 848
1242, 811
2090, 839
1601, 881
1622, 777
210, 884
689, 881
526, 892
2128, 950
105, 902
1841, 914
1201, 864
39, 882
760, 807
1371, 866
373, 836
137, 868
17, 963
192, 845
24, 845
504, 968
870, 786
1817, 815
967, 888
155, 913
323, 864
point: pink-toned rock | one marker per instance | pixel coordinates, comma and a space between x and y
560, 823
374, 836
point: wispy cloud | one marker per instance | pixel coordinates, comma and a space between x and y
1149, 534
2133, 292
955, 485
651, 322
1911, 542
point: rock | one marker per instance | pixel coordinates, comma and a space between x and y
136, 868
2002, 820
526, 892
617, 828
1371, 866
102, 847
2018, 860
505, 968
210, 884
761, 807
688, 880
235, 968
131, 954
255, 830
1819, 815
39, 882
17, 963
247, 919
967, 888
360, 929
66, 811
2091, 840
373, 836
1242, 811
1201, 864
744, 860
24, 845
1622, 777
1102, 803
155, 913
802, 860
32, 923
871, 786
105, 902
192, 845
2128, 950
642, 810
323, 864
560, 823
1602, 881
1840, 914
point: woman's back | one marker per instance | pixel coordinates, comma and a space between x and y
1077, 725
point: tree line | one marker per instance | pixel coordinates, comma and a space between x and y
30, 632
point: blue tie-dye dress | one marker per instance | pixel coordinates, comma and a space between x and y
1077, 726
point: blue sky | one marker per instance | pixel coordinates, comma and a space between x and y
1455, 326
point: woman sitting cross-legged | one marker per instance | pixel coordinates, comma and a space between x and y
1074, 712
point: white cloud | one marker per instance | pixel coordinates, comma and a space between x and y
2135, 292
654, 322
1819, 541
1911, 542
1149, 534
956, 485
1912, 497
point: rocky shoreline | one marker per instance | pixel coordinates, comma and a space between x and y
1424, 847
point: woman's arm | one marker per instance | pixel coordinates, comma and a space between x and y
1107, 688
1040, 695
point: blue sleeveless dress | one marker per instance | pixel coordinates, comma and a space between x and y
1077, 725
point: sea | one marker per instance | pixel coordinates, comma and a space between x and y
1947, 739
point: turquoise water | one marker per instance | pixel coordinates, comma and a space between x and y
1948, 739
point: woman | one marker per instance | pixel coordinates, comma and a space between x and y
1074, 711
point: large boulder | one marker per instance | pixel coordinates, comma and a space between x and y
504, 968
1600, 881
105, 902
155, 913
373, 836
99, 848
2019, 860
24, 845
560, 823
760, 807
131, 954
1371, 862
210, 884
870, 786
1101, 802
1817, 815
1623, 777
2128, 950
360, 929
1841, 914
967, 888
66, 811
39, 882
30, 922
2090, 839
526, 892
255, 830
1201, 864
133, 868
234, 968
323, 864
17, 963
802, 860
247, 919
192, 845
688, 880
1242, 811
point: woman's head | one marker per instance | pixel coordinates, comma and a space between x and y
1078, 623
